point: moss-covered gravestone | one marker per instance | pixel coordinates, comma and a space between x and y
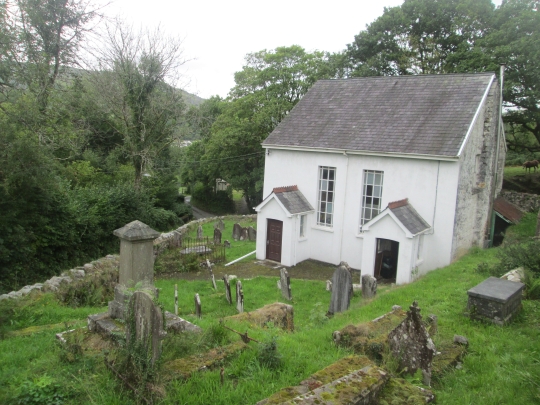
144, 326
412, 346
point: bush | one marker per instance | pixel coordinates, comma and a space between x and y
526, 255
41, 391
268, 354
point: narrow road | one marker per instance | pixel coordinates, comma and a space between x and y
197, 213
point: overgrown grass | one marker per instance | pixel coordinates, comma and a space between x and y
502, 367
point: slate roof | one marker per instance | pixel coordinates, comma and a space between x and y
292, 199
408, 216
426, 114
508, 210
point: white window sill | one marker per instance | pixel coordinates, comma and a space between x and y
323, 228
360, 235
302, 239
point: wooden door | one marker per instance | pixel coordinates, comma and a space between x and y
273, 240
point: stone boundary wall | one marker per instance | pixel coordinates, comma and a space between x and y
160, 244
527, 202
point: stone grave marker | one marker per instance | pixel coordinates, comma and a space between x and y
147, 325
285, 284
227, 289
198, 306
341, 290
217, 236
219, 225
252, 234
495, 300
209, 265
279, 284
369, 286
239, 297
244, 234
136, 264
227, 244
237, 231
199, 232
328, 285
411, 345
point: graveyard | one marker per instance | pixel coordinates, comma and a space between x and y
275, 344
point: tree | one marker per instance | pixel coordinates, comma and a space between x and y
145, 108
515, 41
267, 88
420, 37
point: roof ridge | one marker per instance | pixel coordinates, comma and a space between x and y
431, 76
284, 189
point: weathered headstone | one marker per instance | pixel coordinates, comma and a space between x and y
279, 284
237, 231
197, 306
432, 321
411, 345
212, 278
239, 297
219, 225
341, 290
227, 244
369, 286
244, 234
146, 326
217, 236
285, 284
328, 285
227, 289
199, 232
252, 234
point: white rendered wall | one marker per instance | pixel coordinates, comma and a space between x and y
387, 228
430, 186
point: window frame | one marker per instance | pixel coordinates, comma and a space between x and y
326, 198
303, 223
371, 185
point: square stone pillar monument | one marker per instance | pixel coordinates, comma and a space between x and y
136, 264
136, 253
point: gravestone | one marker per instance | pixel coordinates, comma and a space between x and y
198, 306
285, 284
341, 290
209, 265
328, 285
199, 232
217, 236
136, 253
369, 286
237, 231
239, 297
227, 289
147, 325
411, 345
244, 234
279, 284
252, 234
227, 244
136, 264
219, 225
495, 300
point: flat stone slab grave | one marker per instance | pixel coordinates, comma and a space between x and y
495, 300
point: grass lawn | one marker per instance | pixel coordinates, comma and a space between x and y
511, 171
502, 367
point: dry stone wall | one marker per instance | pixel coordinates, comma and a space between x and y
527, 202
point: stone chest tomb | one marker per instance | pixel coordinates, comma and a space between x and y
495, 300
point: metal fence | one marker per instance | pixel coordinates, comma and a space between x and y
203, 248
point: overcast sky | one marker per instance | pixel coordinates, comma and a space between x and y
218, 34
